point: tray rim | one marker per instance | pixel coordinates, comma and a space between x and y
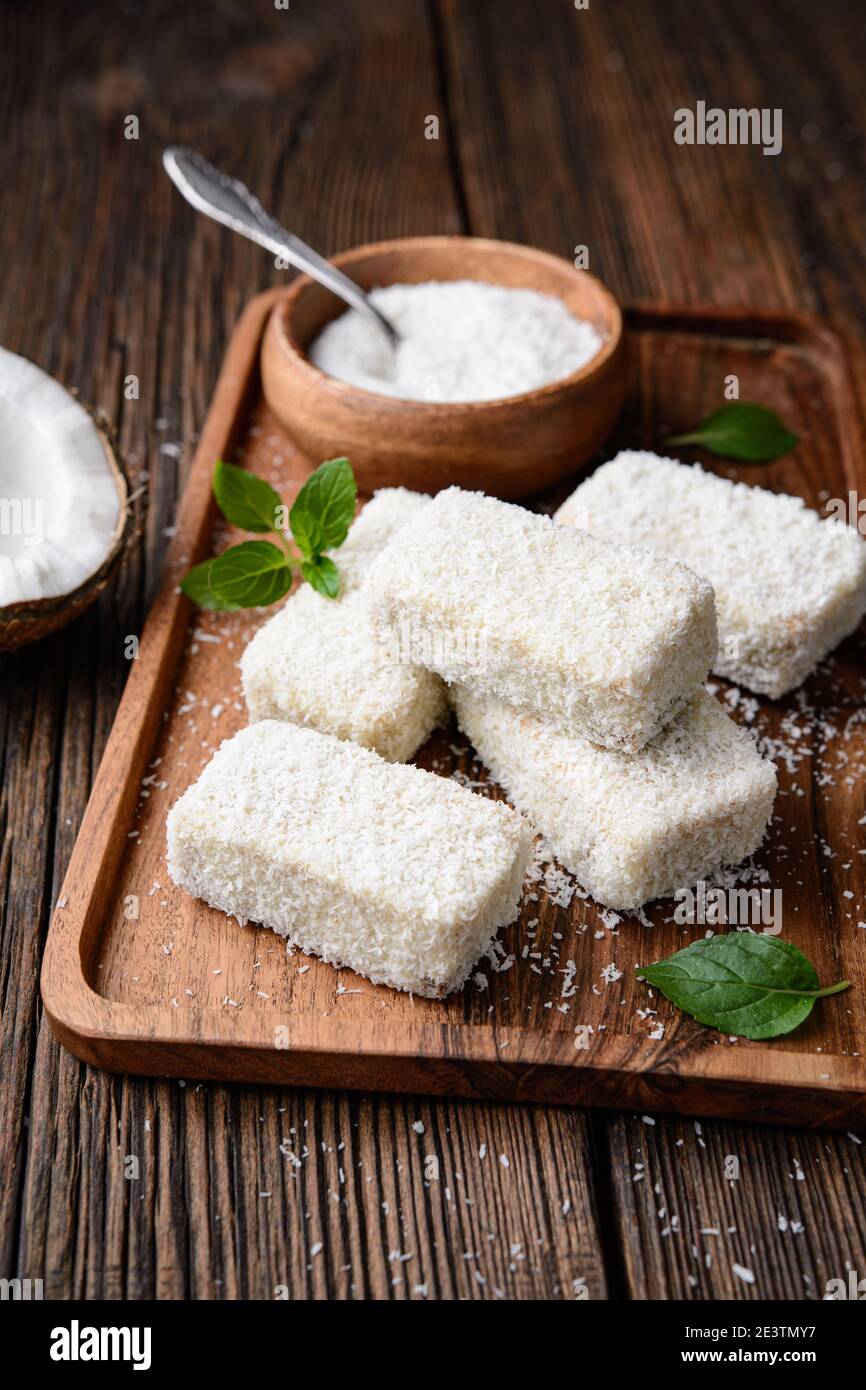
463, 1059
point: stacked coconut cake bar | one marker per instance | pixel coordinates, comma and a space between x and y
630, 827
575, 666
316, 661
400, 874
789, 585
576, 671
606, 641
305, 823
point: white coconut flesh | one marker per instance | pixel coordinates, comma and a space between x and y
59, 499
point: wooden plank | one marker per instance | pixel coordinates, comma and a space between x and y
700, 1207
564, 123
322, 109
248, 1193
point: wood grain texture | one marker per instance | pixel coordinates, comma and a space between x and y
701, 1206
555, 129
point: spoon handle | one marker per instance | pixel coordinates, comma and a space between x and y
230, 202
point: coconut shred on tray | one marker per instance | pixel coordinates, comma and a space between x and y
460, 340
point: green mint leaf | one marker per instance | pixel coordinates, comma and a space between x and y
747, 985
739, 430
324, 508
196, 585
245, 500
250, 575
323, 574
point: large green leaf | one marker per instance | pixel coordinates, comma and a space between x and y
741, 983
740, 430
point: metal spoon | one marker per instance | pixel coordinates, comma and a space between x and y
229, 201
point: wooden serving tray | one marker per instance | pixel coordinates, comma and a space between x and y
138, 977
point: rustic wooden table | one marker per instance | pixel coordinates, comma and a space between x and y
555, 127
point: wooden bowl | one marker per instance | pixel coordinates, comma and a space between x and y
507, 447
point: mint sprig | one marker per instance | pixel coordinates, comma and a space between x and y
741, 430
746, 985
257, 573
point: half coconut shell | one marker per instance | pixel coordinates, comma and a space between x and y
33, 617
